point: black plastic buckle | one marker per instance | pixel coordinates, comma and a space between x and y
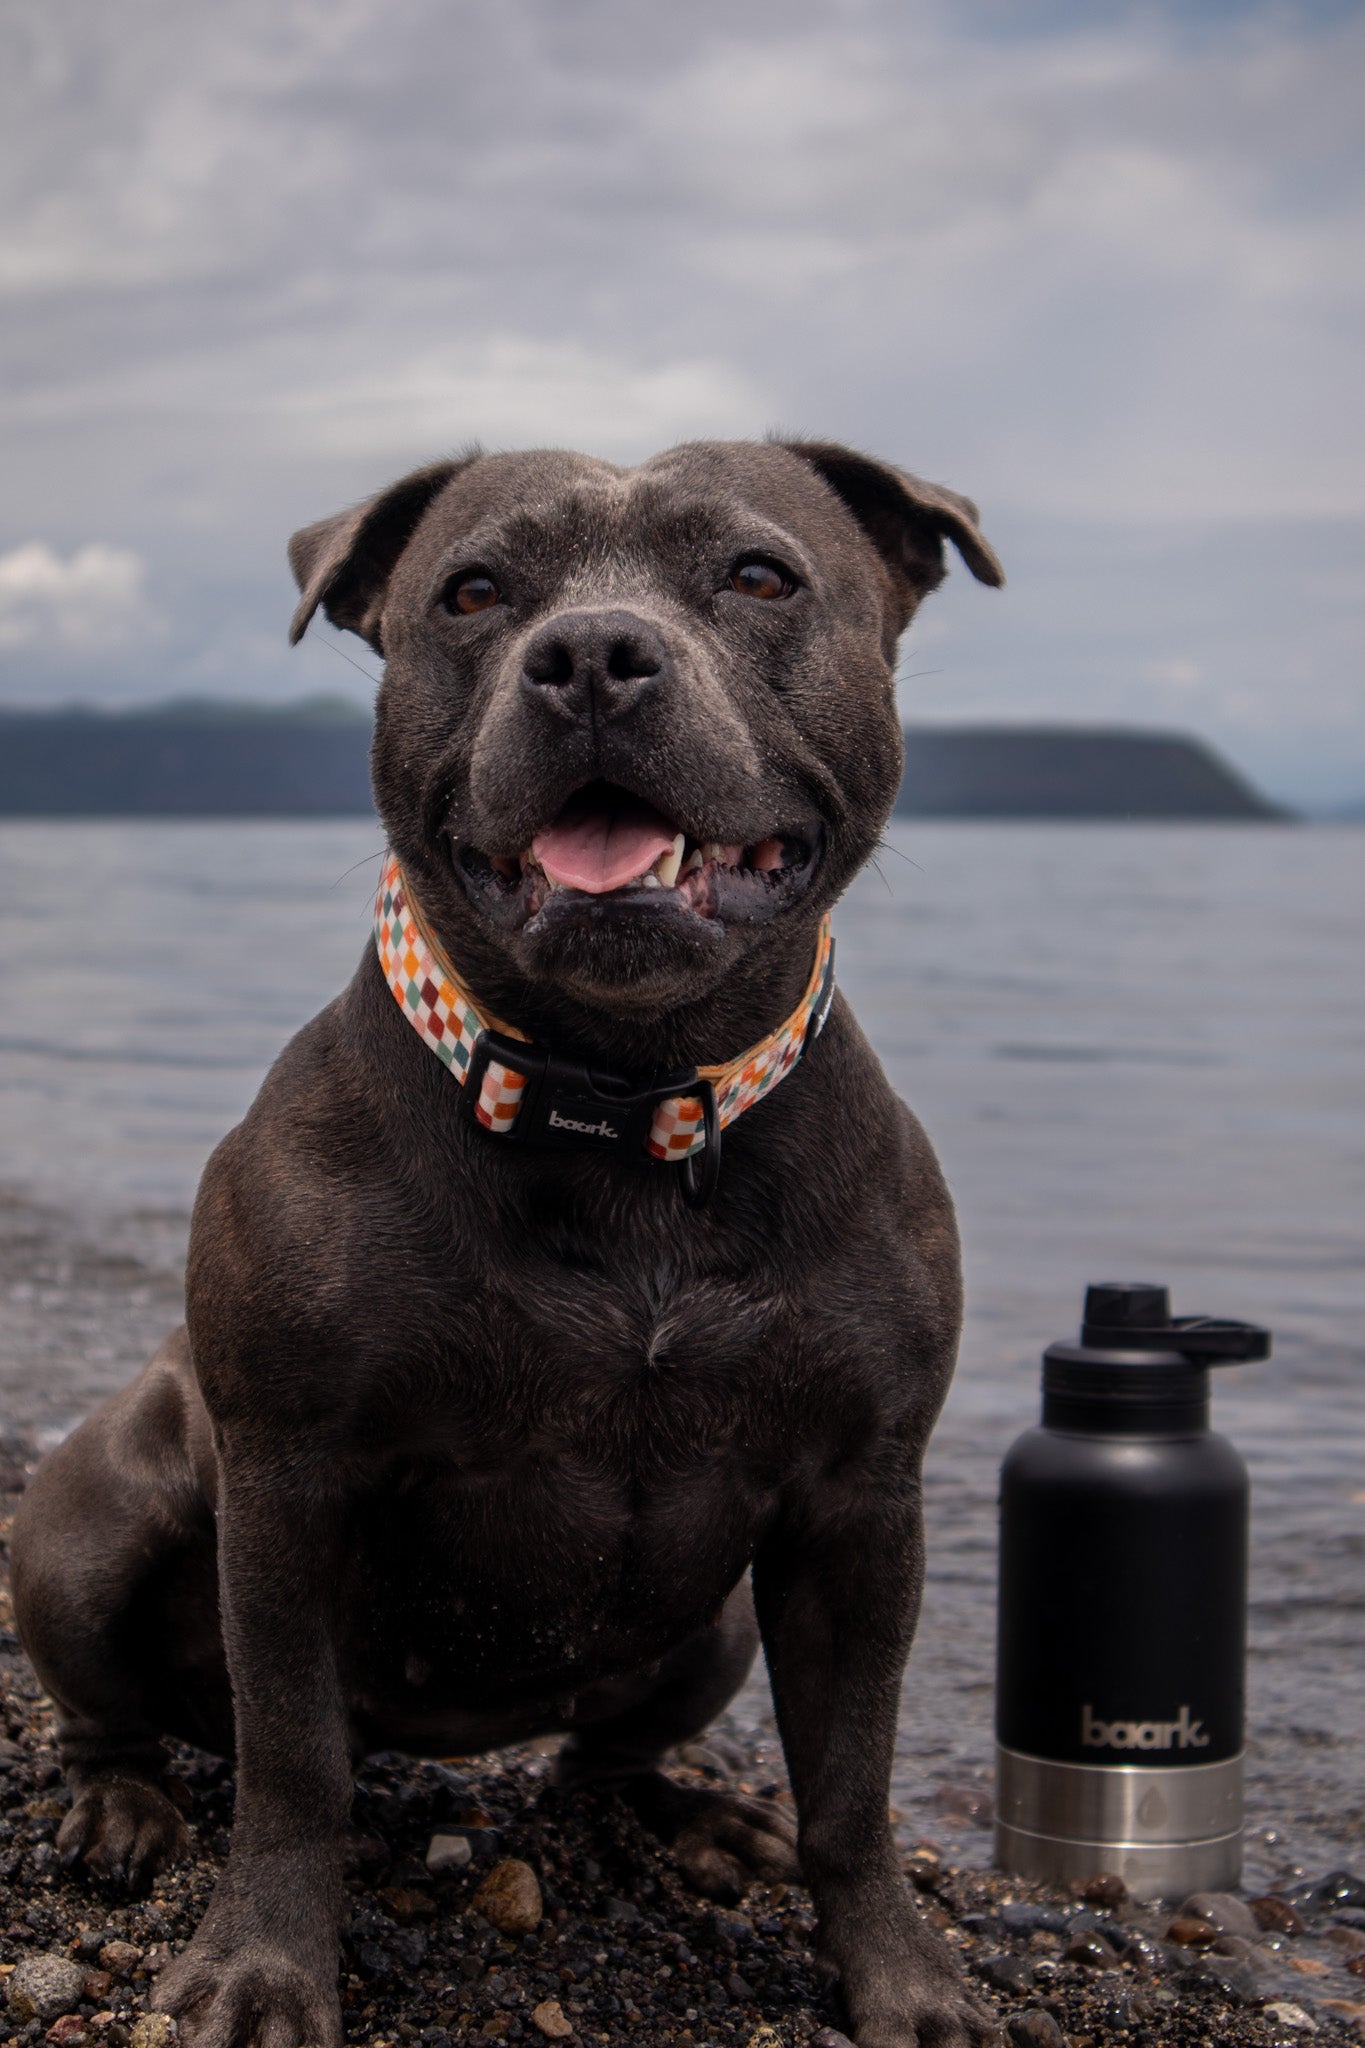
568, 1106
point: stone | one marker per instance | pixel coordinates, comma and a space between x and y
1004, 1972
153, 2030
1338, 1888
1106, 1888
43, 1987
1237, 1981
1343, 2008
1034, 2029
448, 1852
1087, 1945
1230, 1915
509, 1897
1274, 1915
120, 1958
67, 2030
98, 1985
1191, 1930
965, 1805
1286, 2015
405, 1904
1308, 1966
624, 1912
548, 2018
764, 2037
1025, 1919
830, 2037
1347, 1941
1356, 1965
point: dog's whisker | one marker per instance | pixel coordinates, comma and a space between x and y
885, 846
378, 854
359, 667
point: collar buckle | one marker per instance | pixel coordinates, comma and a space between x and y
569, 1106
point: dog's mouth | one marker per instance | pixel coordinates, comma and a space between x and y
609, 851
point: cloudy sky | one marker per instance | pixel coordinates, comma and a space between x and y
1100, 266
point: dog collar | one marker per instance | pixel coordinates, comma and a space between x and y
519, 1091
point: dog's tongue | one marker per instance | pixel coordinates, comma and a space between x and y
599, 846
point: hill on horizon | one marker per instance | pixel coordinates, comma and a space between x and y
204, 757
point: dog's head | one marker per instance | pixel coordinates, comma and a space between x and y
637, 728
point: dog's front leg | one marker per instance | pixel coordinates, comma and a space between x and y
263, 1965
837, 1587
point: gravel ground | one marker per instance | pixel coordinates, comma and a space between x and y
614, 1947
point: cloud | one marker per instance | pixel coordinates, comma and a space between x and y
81, 606
1102, 268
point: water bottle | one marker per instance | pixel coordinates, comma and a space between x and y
1121, 1655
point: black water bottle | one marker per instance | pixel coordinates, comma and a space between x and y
1122, 1621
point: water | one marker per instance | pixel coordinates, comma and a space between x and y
1141, 1054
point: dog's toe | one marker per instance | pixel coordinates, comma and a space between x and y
124, 1830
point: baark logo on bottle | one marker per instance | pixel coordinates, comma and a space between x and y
1182, 1733
582, 1130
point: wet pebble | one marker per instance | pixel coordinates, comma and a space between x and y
1229, 1914
1191, 1930
1027, 1919
1087, 1945
43, 1987
1338, 1888
1344, 2009
1274, 1915
1006, 1972
1106, 1888
1286, 2014
1035, 2028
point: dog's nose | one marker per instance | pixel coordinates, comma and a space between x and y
598, 663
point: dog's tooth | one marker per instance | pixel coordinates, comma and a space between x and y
694, 862
651, 880
710, 850
667, 865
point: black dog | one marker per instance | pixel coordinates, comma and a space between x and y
468, 1438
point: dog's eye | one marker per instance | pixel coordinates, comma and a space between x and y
756, 577
473, 592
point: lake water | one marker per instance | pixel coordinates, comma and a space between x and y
1140, 1052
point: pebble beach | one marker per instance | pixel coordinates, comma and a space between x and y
485, 1905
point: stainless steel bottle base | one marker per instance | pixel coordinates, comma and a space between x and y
1164, 1832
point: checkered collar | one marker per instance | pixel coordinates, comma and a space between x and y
520, 1092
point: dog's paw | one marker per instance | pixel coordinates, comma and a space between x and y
123, 1830
256, 1997
935, 2011
727, 1840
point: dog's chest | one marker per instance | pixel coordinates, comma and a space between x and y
591, 1471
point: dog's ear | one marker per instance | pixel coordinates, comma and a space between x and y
906, 519
344, 563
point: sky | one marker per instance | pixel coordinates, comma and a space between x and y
1101, 267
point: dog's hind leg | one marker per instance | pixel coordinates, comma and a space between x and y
116, 1597
722, 1840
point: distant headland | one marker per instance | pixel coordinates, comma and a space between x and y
205, 758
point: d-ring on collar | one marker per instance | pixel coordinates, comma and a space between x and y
518, 1091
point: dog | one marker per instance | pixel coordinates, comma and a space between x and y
572, 1307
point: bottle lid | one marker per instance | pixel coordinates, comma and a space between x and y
1133, 1315
1139, 1368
